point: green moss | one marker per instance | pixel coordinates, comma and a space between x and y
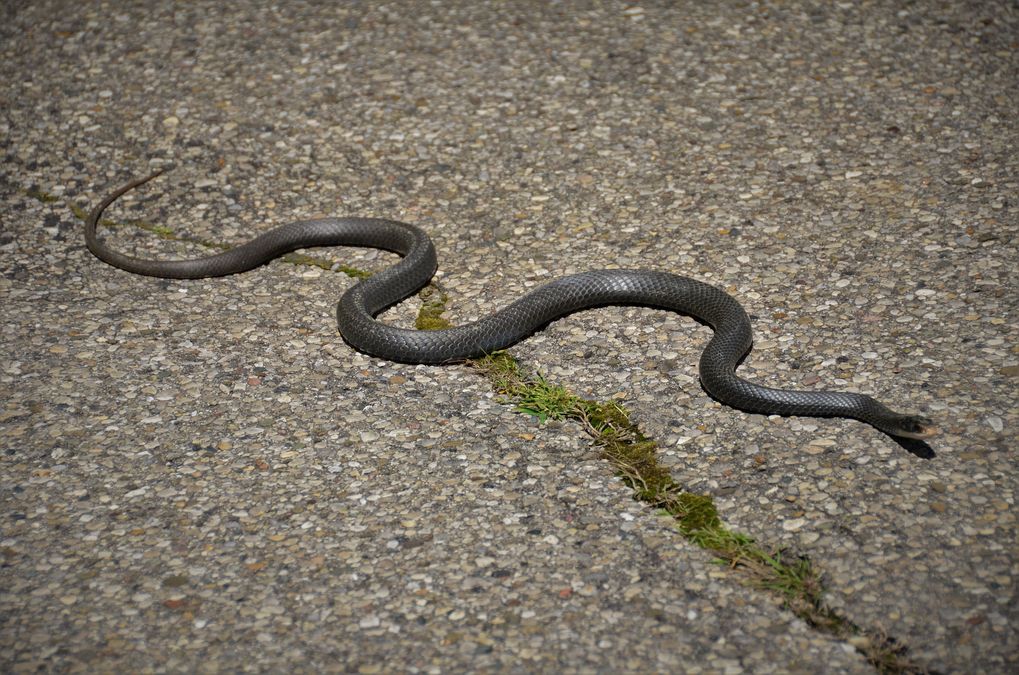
41, 195
162, 231
634, 457
696, 513
324, 263
80, 213
433, 304
354, 272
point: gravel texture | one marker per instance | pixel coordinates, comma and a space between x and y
201, 476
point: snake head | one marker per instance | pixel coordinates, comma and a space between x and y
913, 426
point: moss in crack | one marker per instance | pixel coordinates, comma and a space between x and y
81, 214
41, 195
792, 577
326, 264
433, 304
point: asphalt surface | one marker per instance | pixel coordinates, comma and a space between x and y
202, 476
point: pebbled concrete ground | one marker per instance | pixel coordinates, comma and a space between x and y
201, 476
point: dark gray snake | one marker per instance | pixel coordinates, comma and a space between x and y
360, 305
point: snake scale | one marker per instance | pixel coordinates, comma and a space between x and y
359, 306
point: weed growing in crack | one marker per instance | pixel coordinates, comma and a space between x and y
792, 577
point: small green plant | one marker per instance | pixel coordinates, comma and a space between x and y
41, 195
324, 263
793, 578
433, 304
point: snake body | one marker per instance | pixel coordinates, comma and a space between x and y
359, 306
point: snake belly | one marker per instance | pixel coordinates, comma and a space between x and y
358, 308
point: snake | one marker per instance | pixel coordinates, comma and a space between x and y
359, 307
